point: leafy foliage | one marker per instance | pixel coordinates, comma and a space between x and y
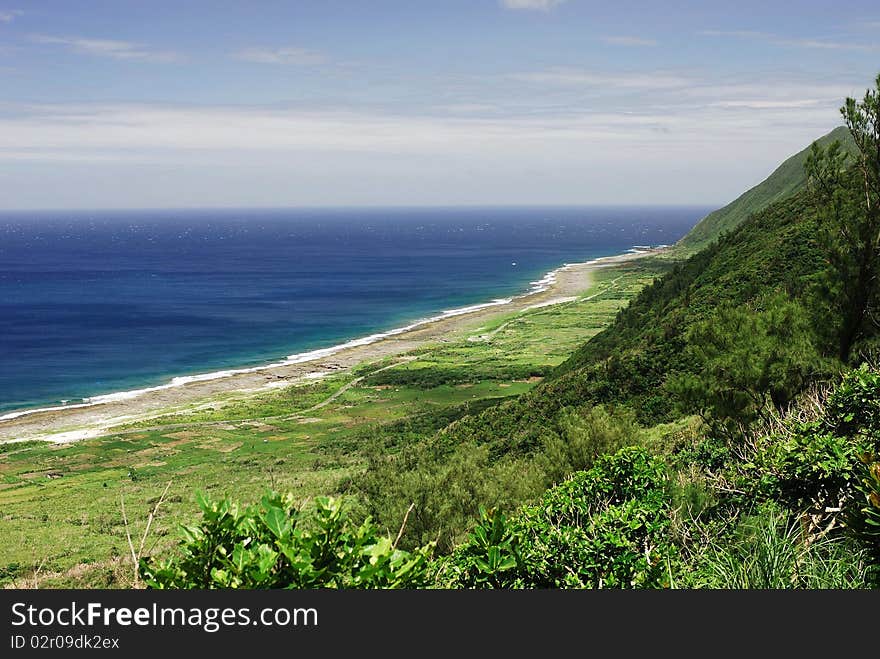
491, 556
853, 408
605, 527
271, 546
803, 465
817, 462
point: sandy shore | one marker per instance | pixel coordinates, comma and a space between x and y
73, 423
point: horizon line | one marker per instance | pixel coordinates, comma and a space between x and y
102, 209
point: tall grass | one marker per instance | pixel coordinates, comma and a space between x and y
768, 551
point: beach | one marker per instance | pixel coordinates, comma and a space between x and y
94, 417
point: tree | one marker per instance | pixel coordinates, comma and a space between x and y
847, 201
750, 360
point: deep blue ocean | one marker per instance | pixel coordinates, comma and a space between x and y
98, 302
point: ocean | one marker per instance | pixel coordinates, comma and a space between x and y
98, 302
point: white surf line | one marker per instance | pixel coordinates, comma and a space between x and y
538, 286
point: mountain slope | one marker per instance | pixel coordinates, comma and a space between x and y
624, 385
786, 180
629, 362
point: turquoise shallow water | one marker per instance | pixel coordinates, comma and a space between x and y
92, 303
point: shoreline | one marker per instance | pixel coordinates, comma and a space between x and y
96, 414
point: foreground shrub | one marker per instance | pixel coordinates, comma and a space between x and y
804, 465
853, 408
274, 545
606, 527
816, 466
865, 516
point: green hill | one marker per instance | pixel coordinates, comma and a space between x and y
630, 362
787, 179
610, 391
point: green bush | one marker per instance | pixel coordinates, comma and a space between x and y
273, 545
584, 438
603, 528
803, 465
710, 453
490, 558
854, 405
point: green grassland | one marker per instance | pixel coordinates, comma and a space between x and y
60, 505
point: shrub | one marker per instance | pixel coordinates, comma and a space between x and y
273, 545
584, 438
854, 405
606, 527
490, 558
803, 464
865, 516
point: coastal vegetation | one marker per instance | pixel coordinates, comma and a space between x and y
709, 421
62, 501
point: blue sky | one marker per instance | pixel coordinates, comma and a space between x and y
118, 103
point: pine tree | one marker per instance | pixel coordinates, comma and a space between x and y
847, 198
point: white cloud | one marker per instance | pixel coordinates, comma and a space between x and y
9, 15
771, 89
767, 105
746, 34
628, 41
581, 78
827, 45
293, 56
796, 42
539, 5
79, 130
162, 155
121, 50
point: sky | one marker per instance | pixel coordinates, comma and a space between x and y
269, 103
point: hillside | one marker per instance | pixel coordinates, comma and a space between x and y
717, 388
629, 362
785, 180
611, 386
